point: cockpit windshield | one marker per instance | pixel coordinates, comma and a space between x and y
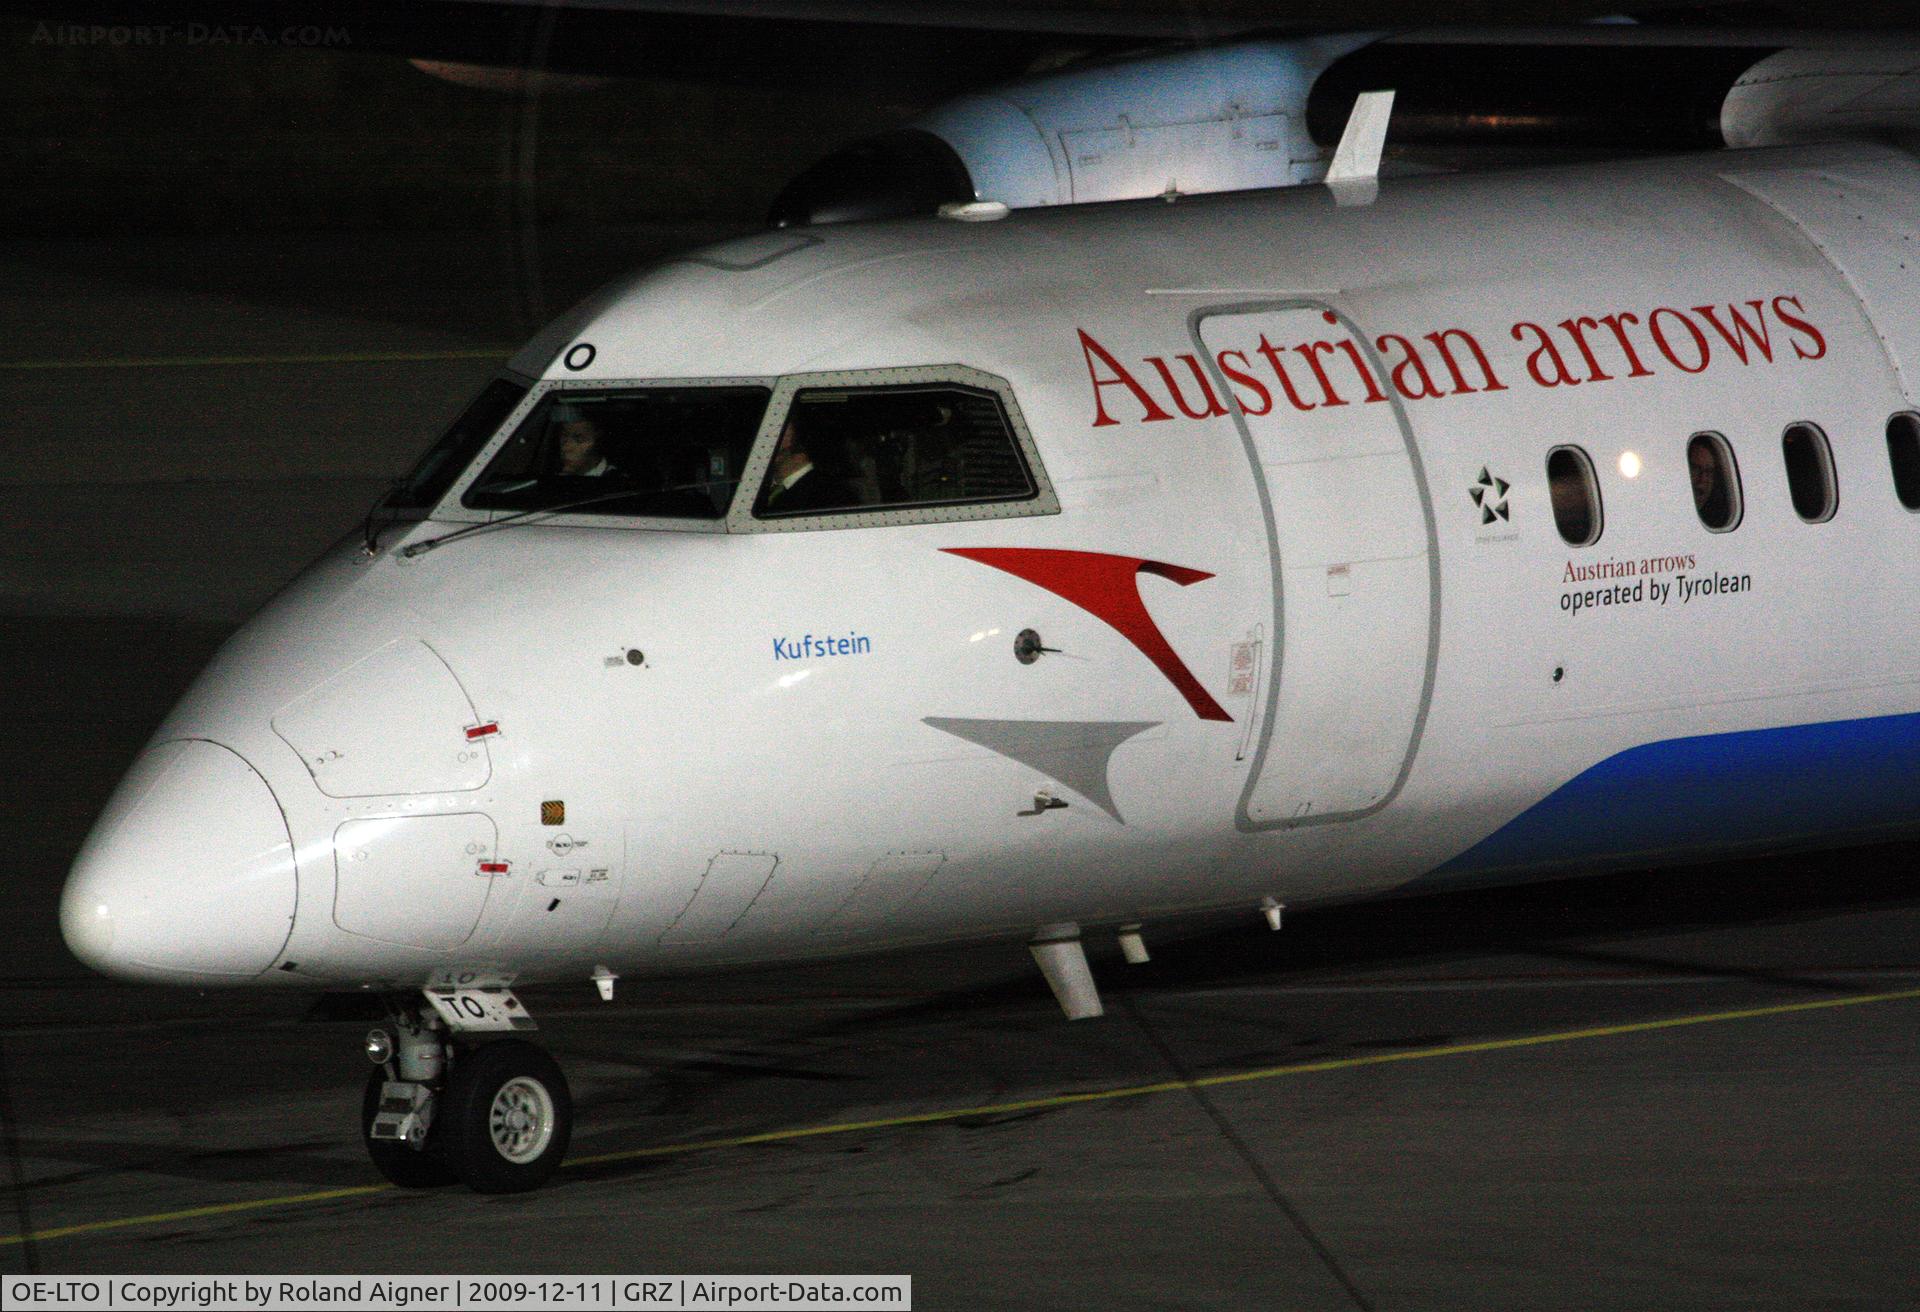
668, 452
434, 474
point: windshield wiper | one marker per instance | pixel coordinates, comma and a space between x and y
421, 548
370, 526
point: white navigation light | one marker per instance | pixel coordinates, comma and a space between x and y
1630, 464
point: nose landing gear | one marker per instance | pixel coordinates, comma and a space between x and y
496, 1116
506, 1117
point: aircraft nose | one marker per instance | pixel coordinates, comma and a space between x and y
188, 875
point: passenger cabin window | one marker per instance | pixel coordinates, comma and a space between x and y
430, 479
872, 450
663, 452
1576, 495
1810, 477
1716, 481
1903, 449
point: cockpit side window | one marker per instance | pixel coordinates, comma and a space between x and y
873, 449
657, 452
864, 449
434, 474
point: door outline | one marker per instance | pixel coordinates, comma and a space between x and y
1243, 820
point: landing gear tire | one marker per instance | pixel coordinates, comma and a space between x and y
409, 1168
505, 1118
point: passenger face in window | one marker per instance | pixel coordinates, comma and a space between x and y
1715, 479
1709, 490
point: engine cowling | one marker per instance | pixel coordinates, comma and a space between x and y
1225, 118
1269, 114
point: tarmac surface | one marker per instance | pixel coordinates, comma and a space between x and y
1682, 1089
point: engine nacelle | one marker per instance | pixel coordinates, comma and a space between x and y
1269, 113
1808, 95
1225, 118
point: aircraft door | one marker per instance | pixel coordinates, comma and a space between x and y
1351, 534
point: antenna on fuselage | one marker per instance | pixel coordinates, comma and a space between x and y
1354, 175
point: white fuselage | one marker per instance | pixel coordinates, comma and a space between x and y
823, 740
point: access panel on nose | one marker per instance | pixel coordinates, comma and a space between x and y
1351, 535
421, 881
393, 722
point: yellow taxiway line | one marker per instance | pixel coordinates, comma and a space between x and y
1028, 1105
1248, 1076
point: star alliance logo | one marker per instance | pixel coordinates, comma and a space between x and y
1490, 494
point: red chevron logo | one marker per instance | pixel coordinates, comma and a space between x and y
1108, 588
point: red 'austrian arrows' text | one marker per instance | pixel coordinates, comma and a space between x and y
1336, 371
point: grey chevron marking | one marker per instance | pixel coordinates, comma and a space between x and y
1075, 753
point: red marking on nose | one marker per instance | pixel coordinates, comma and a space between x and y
483, 730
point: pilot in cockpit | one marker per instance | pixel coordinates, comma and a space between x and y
579, 445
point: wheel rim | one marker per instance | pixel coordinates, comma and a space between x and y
521, 1120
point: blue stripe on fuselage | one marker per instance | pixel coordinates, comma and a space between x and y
1721, 792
